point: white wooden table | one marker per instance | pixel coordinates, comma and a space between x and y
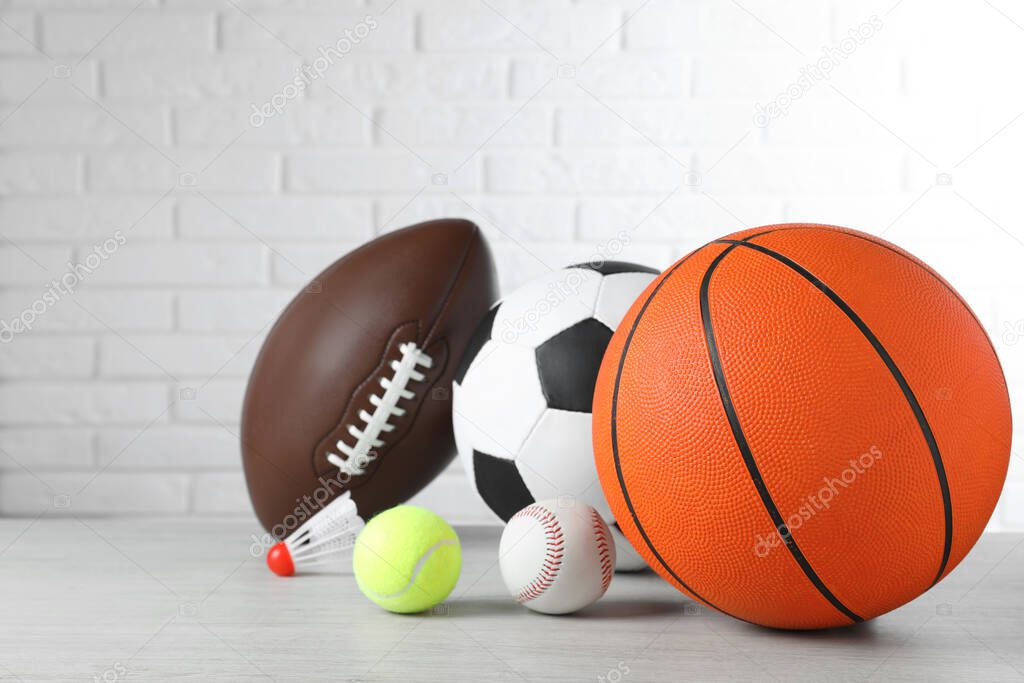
155, 600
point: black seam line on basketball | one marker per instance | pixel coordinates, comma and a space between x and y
924, 267
766, 232
882, 244
901, 381
741, 441
615, 441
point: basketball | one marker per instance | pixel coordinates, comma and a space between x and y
801, 426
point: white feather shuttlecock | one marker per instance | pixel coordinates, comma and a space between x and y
324, 542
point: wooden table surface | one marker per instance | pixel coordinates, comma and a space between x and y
116, 600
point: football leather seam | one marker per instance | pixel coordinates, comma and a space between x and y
456, 282
377, 369
386, 412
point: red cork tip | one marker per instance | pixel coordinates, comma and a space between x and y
280, 560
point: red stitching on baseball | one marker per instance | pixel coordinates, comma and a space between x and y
603, 542
555, 549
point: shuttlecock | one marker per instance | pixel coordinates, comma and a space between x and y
323, 543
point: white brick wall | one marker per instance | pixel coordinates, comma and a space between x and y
554, 124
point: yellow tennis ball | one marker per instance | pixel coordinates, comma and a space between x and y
407, 559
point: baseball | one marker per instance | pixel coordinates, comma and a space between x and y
557, 556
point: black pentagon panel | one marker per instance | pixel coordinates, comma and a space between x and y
481, 335
615, 267
568, 365
500, 485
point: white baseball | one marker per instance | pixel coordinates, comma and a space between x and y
557, 556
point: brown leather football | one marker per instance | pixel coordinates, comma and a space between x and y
352, 388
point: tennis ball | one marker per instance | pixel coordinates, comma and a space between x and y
407, 559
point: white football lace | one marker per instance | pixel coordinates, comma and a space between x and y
357, 456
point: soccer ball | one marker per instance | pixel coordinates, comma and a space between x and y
523, 391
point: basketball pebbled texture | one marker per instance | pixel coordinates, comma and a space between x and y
816, 440
324, 360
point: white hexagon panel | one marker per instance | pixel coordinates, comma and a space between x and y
524, 389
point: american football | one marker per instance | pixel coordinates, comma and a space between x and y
523, 393
435, 341
350, 391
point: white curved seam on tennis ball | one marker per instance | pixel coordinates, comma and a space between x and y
415, 572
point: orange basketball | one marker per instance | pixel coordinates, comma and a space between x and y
801, 426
